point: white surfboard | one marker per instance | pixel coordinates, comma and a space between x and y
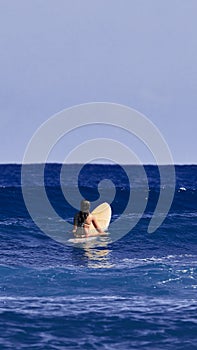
84, 239
103, 217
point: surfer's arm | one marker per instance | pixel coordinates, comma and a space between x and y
75, 223
74, 228
97, 227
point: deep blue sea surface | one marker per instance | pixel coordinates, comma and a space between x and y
138, 292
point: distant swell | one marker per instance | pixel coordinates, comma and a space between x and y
138, 292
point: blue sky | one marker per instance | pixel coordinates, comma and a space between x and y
60, 53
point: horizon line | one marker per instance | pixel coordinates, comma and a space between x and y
78, 163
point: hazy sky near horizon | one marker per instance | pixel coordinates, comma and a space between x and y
59, 53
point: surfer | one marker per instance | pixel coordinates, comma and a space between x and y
82, 221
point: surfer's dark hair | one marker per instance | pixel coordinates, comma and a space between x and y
81, 218
82, 215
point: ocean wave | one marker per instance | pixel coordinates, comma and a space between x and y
91, 322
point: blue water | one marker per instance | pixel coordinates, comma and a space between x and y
136, 293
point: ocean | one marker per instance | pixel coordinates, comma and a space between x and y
136, 292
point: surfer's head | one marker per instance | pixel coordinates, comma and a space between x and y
85, 206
